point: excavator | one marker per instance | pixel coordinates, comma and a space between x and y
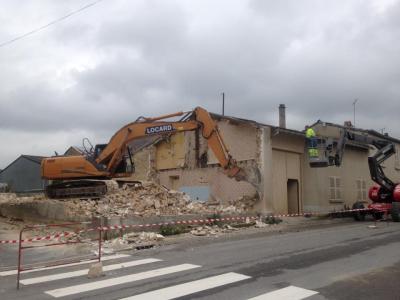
385, 194
91, 174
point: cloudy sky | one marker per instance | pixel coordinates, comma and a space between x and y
103, 67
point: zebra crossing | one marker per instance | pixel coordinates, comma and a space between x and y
131, 276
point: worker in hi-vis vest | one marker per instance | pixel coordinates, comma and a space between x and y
312, 142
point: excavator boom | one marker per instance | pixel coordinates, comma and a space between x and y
108, 161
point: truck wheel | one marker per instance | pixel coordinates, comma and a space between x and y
395, 212
359, 215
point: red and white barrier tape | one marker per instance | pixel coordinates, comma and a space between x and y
38, 239
320, 213
182, 222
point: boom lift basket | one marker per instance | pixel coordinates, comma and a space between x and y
324, 150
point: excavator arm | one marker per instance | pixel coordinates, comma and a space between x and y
105, 163
199, 119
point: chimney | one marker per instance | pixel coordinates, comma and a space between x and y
282, 116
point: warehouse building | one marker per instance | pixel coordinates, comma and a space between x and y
23, 175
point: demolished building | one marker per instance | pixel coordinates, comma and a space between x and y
274, 153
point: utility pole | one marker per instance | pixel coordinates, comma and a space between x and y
223, 103
354, 111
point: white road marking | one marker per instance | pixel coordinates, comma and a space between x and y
188, 288
81, 288
104, 258
84, 272
287, 293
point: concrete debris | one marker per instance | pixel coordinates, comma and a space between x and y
149, 199
212, 230
139, 199
140, 237
95, 270
129, 241
12, 198
244, 203
260, 224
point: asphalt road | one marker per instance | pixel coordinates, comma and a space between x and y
346, 261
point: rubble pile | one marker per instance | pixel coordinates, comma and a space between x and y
244, 203
131, 240
7, 197
212, 230
13, 198
145, 199
138, 199
143, 237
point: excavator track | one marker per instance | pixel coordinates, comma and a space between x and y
80, 189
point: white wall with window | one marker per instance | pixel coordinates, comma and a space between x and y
335, 189
361, 188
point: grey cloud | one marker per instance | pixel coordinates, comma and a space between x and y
123, 59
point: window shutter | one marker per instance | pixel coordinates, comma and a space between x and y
337, 182
332, 194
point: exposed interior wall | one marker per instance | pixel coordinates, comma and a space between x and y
241, 140
222, 188
171, 154
142, 162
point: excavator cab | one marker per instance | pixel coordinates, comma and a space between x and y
98, 148
125, 166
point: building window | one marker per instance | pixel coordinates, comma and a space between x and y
335, 189
361, 190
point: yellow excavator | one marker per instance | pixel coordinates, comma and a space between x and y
86, 175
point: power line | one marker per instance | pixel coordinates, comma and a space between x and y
49, 24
